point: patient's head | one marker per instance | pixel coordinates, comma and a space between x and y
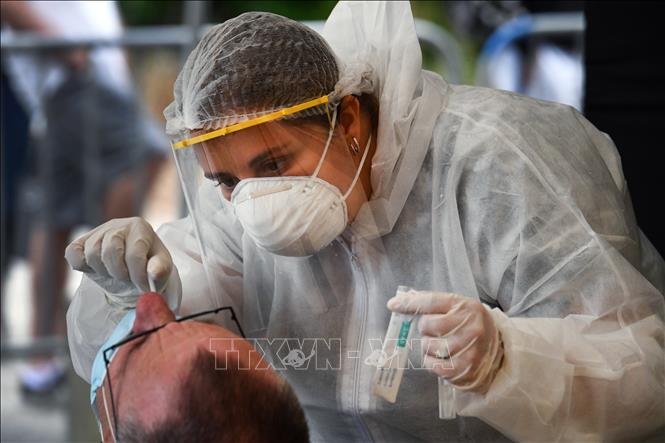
181, 383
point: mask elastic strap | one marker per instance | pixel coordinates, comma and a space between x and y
325, 150
360, 168
106, 410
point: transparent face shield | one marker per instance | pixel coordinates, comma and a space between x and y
271, 188
276, 145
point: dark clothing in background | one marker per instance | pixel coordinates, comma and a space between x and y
14, 134
625, 97
94, 135
13, 144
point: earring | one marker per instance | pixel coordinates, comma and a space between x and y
355, 146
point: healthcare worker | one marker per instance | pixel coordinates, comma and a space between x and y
322, 173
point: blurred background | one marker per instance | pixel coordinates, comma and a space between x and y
83, 89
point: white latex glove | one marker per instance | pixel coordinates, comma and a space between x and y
460, 340
120, 256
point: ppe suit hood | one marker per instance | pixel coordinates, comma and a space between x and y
378, 53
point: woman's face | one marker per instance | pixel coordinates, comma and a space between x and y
293, 148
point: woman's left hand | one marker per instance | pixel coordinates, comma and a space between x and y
461, 342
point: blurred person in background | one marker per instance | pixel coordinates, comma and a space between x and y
96, 152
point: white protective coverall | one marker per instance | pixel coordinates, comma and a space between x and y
516, 202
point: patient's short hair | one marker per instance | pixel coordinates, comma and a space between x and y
229, 405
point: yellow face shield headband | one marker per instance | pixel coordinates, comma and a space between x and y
253, 122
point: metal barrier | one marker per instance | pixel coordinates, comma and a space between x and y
527, 26
183, 36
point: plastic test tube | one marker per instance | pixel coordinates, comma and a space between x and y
446, 390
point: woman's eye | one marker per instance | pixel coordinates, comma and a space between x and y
227, 182
274, 165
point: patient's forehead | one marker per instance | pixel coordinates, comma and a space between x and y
148, 377
173, 348
151, 380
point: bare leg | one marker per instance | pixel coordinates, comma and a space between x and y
117, 204
47, 250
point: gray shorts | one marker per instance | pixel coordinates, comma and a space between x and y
94, 135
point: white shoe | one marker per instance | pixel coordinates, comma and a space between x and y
42, 377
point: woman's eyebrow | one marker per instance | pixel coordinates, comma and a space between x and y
255, 163
268, 154
219, 176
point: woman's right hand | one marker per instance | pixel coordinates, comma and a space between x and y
120, 256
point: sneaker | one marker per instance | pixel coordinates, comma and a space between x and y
42, 378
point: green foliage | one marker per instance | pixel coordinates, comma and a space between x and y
297, 10
147, 12
151, 12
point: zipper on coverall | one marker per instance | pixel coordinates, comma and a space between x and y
361, 337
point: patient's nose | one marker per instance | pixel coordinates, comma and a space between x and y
151, 311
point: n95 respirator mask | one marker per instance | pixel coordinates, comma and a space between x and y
293, 216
